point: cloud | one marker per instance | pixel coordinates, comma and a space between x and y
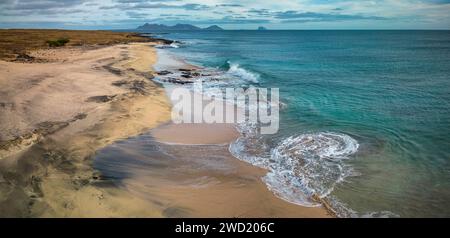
229, 5
238, 13
145, 5
294, 16
26, 8
221, 21
144, 1
41, 4
136, 15
194, 6
260, 12
438, 1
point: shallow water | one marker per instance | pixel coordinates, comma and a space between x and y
366, 114
180, 180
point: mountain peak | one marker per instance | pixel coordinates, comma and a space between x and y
213, 28
177, 27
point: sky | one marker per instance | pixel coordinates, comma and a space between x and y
231, 14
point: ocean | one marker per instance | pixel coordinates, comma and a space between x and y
365, 116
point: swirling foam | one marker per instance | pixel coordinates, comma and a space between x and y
302, 166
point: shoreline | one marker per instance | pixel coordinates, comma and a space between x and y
47, 171
82, 101
228, 187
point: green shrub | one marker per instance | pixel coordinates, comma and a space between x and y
57, 43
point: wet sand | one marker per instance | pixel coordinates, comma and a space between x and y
71, 145
186, 170
195, 134
58, 114
193, 180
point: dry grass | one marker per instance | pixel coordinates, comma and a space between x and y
15, 42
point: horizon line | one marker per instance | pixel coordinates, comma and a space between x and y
267, 29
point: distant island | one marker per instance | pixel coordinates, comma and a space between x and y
177, 27
261, 28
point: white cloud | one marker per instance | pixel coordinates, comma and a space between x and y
329, 13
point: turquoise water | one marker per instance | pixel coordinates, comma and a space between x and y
382, 98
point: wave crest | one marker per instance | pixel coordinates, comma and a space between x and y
237, 71
171, 45
174, 45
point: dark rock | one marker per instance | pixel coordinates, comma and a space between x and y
80, 116
49, 127
211, 79
164, 72
138, 87
146, 75
188, 76
102, 98
7, 105
119, 83
164, 41
24, 58
113, 70
177, 81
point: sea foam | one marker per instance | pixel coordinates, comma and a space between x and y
174, 45
171, 45
301, 166
237, 71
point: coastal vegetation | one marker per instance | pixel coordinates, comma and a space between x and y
16, 43
58, 42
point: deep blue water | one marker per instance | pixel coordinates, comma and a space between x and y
387, 90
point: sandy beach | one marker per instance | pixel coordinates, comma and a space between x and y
224, 109
56, 114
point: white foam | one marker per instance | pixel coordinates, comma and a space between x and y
299, 166
171, 45
242, 73
343, 210
174, 45
303, 165
168, 61
323, 144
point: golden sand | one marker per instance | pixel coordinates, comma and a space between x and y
62, 105
56, 115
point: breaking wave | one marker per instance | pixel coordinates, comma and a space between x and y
171, 45
301, 166
237, 71
174, 45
